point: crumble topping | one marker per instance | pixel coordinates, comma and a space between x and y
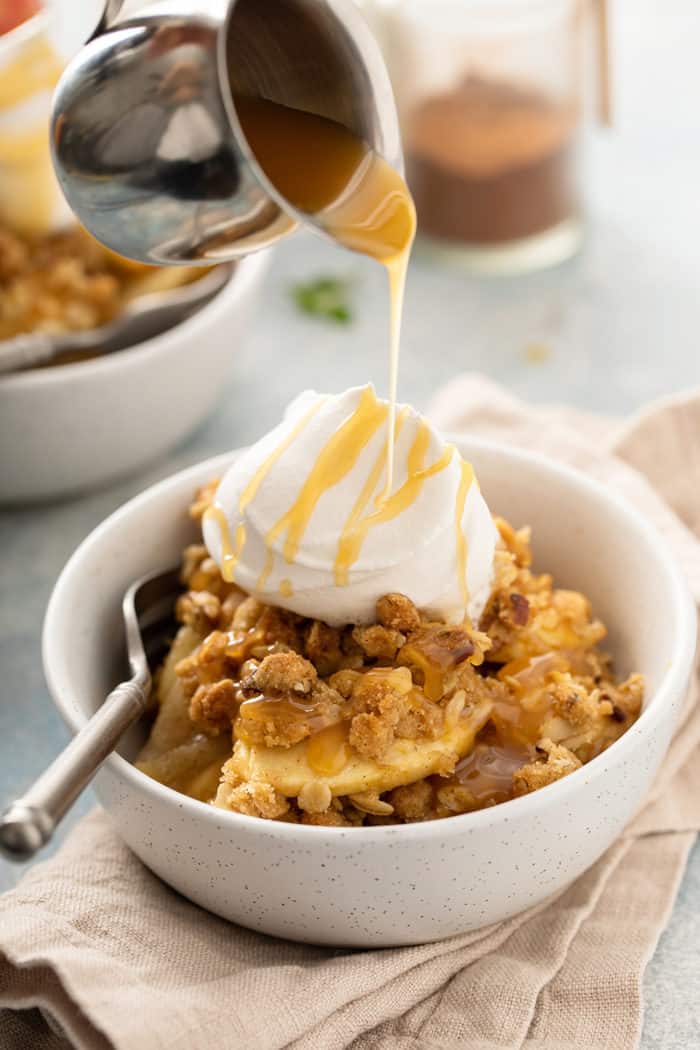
254, 799
267, 713
552, 762
379, 642
283, 701
398, 612
57, 283
323, 648
67, 281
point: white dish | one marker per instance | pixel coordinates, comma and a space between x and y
73, 427
376, 887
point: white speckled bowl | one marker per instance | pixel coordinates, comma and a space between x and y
403, 884
67, 429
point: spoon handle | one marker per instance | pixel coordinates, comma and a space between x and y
29, 822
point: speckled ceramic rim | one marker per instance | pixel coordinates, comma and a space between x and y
674, 681
245, 275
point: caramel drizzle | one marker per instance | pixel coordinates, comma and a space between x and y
357, 528
462, 492
231, 551
334, 462
397, 269
327, 750
341, 575
375, 215
352, 191
336, 459
365, 205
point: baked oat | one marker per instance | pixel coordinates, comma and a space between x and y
66, 281
266, 713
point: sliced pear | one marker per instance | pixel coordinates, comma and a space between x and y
173, 725
193, 768
288, 769
176, 753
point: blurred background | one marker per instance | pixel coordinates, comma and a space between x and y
557, 190
609, 327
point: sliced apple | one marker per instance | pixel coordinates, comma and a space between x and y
288, 769
173, 725
193, 768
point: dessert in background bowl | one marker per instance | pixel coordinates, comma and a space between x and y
411, 882
54, 277
67, 429
64, 281
86, 417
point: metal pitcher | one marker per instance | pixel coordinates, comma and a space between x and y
145, 138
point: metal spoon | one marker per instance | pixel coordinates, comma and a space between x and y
143, 317
29, 822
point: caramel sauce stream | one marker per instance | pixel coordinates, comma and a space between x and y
352, 192
325, 171
343, 556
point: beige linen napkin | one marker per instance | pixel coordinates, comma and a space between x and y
115, 959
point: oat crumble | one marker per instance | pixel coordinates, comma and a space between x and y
66, 281
266, 713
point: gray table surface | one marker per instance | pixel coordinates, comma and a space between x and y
619, 325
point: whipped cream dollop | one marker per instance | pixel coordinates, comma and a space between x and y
302, 519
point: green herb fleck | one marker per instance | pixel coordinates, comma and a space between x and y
326, 297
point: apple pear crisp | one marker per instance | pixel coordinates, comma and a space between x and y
266, 713
66, 281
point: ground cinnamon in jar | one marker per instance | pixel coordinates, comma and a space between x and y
490, 163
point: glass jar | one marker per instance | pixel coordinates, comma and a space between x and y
490, 97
